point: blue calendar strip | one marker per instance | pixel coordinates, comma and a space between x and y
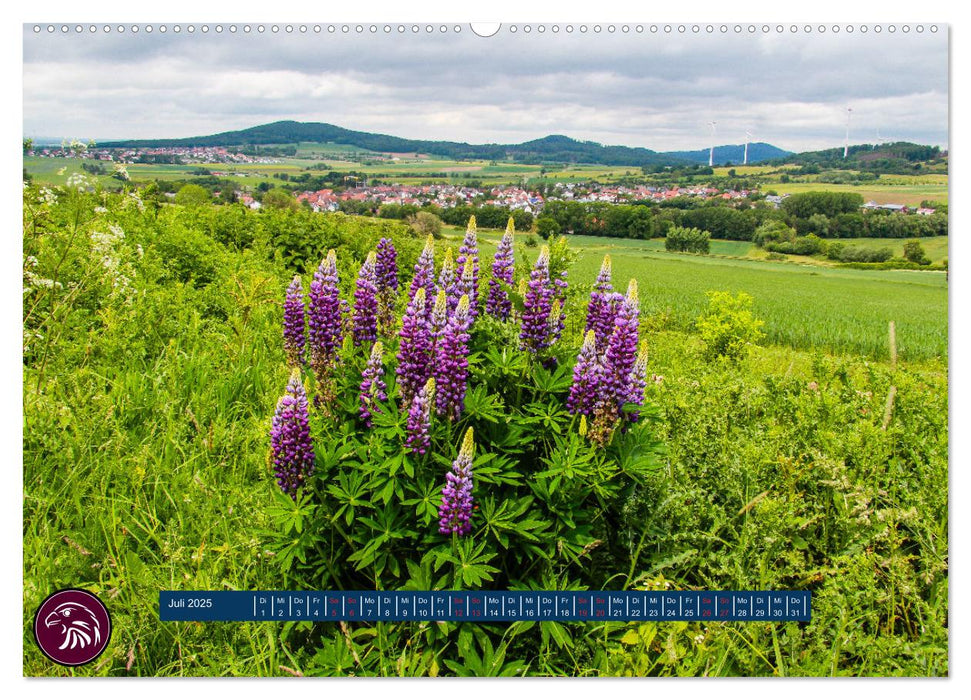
484, 606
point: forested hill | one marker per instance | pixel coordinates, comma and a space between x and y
548, 149
901, 156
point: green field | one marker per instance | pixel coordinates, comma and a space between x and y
897, 192
408, 170
804, 306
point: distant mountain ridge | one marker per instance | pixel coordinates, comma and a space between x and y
553, 148
758, 151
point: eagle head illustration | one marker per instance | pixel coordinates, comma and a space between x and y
78, 624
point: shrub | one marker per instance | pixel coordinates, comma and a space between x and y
687, 240
189, 256
487, 474
773, 231
426, 224
279, 198
858, 254
914, 252
728, 327
193, 195
802, 245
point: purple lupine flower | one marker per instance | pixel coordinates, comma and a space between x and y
386, 266
324, 317
464, 288
638, 382
455, 513
586, 378
294, 329
439, 319
420, 419
452, 363
497, 302
599, 316
556, 321
447, 281
414, 351
425, 273
291, 448
539, 295
469, 251
560, 285
373, 388
386, 272
366, 303
618, 362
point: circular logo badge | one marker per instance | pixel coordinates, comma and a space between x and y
72, 627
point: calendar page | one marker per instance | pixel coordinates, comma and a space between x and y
437, 349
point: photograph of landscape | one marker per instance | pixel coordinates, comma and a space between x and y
399, 307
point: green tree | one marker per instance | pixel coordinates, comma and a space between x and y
914, 252
279, 198
819, 224
425, 223
192, 196
547, 227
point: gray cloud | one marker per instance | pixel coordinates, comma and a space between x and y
658, 91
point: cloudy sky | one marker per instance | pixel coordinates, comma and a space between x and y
638, 89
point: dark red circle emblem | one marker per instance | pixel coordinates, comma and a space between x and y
72, 627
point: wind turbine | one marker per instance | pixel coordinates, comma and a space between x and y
711, 153
846, 144
748, 137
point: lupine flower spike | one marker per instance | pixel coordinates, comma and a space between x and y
497, 302
455, 513
638, 382
469, 252
618, 362
439, 319
291, 448
386, 271
373, 388
418, 440
366, 302
586, 379
414, 350
536, 313
599, 316
294, 329
324, 317
451, 363
425, 273
446, 279
556, 321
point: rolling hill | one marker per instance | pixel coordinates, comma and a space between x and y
549, 149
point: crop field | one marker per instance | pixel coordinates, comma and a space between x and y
164, 377
805, 306
895, 193
57, 171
